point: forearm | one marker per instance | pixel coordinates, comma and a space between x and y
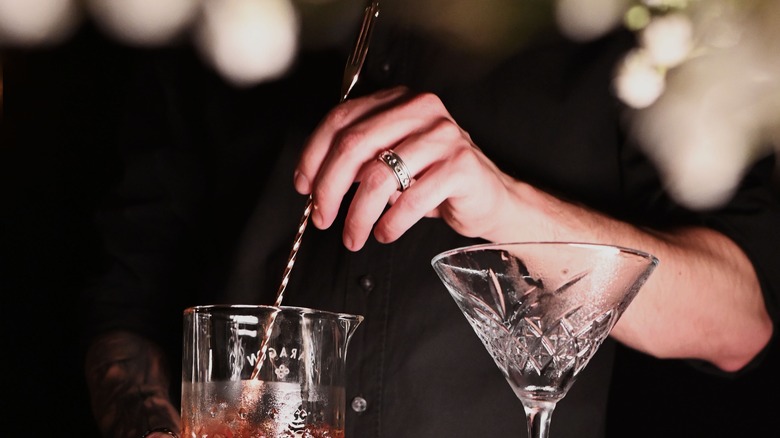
128, 384
703, 301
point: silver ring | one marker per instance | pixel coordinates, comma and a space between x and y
161, 430
397, 165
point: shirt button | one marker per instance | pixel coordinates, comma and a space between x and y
366, 283
359, 404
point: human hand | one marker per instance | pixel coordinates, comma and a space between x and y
128, 387
452, 178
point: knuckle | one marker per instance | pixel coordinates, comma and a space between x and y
412, 201
349, 140
428, 101
464, 158
354, 221
425, 103
376, 179
446, 128
401, 89
393, 92
322, 194
339, 116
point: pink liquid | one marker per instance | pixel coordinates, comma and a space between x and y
257, 409
216, 429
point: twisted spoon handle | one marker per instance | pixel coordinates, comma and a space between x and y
351, 73
294, 251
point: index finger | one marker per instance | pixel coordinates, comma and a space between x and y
339, 118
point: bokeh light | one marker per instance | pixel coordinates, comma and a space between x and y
144, 22
719, 110
702, 85
639, 82
37, 22
586, 20
249, 41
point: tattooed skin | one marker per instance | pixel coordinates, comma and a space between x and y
129, 387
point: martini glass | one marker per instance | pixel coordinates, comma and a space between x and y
542, 309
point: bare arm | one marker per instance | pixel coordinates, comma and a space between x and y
703, 301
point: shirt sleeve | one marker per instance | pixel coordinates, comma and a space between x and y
751, 219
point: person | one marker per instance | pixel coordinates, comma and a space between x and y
531, 148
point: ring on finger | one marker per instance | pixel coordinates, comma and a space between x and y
397, 165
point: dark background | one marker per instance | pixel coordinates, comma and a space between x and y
59, 105
56, 161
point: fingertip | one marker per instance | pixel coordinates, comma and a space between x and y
302, 184
351, 244
320, 219
380, 237
348, 242
316, 217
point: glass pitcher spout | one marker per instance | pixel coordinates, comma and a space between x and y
348, 324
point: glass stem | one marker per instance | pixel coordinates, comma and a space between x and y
538, 413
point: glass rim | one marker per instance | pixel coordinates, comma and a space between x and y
498, 245
226, 308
